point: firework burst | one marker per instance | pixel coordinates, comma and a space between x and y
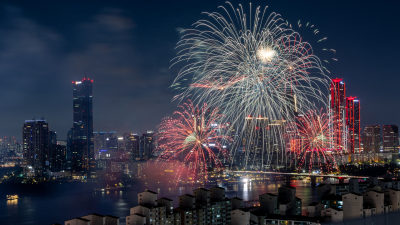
312, 141
250, 64
194, 139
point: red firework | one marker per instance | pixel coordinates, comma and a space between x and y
193, 139
312, 140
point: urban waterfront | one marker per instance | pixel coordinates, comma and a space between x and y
66, 203
199, 112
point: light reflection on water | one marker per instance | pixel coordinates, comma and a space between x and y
66, 204
12, 202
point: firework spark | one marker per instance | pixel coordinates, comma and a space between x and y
312, 141
193, 138
250, 64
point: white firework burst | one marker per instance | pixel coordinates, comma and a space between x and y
251, 64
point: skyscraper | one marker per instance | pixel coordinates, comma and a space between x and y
132, 145
390, 138
36, 147
337, 106
121, 145
53, 149
371, 138
83, 162
53, 137
353, 124
68, 152
100, 142
289, 110
146, 144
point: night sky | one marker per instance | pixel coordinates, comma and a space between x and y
126, 48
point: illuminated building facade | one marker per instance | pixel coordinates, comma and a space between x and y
337, 107
100, 142
146, 144
353, 124
83, 162
390, 138
112, 142
36, 147
371, 138
10, 147
260, 143
121, 144
132, 145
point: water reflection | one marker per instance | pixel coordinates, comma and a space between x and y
119, 202
12, 202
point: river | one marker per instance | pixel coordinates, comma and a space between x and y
67, 201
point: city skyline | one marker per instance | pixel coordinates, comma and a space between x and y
119, 49
203, 112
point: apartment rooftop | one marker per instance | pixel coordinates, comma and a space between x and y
354, 194
392, 189
81, 219
115, 217
188, 195
149, 192
219, 187
269, 194
204, 189
379, 192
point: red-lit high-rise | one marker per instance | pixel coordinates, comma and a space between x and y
353, 124
337, 106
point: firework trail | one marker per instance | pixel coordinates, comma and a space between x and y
251, 64
194, 139
312, 141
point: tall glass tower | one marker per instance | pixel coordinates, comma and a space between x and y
337, 106
353, 124
82, 152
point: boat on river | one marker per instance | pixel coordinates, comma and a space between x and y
12, 197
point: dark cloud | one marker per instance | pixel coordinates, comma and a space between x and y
39, 69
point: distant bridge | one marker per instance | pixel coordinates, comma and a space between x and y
313, 177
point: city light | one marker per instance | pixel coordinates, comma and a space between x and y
249, 129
